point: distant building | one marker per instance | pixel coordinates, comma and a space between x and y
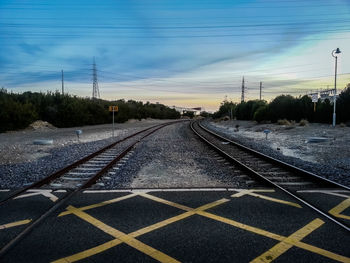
323, 94
327, 94
183, 110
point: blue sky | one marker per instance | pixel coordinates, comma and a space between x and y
184, 53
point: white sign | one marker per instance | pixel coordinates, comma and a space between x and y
314, 97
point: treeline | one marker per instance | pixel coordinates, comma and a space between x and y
290, 108
17, 111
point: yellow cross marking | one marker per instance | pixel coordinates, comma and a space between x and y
253, 193
17, 223
258, 231
340, 208
262, 232
115, 242
121, 237
287, 243
291, 240
108, 202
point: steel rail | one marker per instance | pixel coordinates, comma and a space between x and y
265, 180
69, 195
290, 167
70, 167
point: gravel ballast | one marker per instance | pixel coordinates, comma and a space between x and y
330, 159
23, 163
171, 157
174, 157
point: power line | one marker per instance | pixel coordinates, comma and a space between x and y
108, 34
105, 8
94, 26
214, 18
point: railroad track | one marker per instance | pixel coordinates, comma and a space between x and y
270, 171
80, 175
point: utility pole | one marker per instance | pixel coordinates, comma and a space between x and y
335, 92
242, 96
95, 90
260, 89
335, 53
62, 82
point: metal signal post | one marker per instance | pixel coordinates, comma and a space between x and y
113, 109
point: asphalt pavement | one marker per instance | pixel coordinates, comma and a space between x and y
198, 225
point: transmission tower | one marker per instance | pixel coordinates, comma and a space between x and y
95, 90
242, 96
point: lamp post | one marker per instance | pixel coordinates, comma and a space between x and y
335, 52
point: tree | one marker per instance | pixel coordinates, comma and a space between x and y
246, 110
282, 107
188, 114
226, 109
19, 110
343, 104
261, 114
205, 114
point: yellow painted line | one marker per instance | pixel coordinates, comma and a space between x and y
258, 231
127, 239
336, 211
322, 252
163, 201
89, 252
177, 218
108, 202
115, 242
252, 193
200, 211
255, 230
183, 207
161, 224
287, 243
241, 225
17, 223
275, 200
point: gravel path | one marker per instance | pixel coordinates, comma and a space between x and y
34, 162
174, 157
330, 158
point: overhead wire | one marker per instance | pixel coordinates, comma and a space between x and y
343, 27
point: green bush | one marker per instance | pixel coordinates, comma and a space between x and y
246, 110
226, 109
261, 114
291, 108
343, 105
17, 111
205, 114
188, 114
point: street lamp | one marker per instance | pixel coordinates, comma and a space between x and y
335, 52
